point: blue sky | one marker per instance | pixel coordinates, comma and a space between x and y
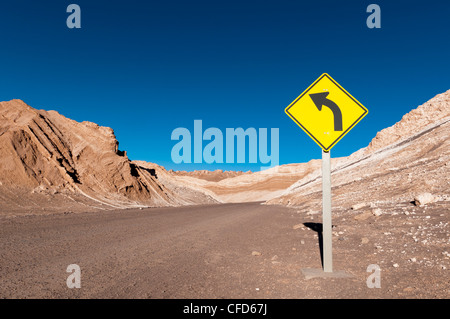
145, 68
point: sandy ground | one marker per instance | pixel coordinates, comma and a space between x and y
225, 251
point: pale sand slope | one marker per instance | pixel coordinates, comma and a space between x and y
258, 186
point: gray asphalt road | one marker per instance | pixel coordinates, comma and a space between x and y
188, 252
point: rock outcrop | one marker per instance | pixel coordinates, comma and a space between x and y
45, 153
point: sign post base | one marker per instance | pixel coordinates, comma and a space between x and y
311, 273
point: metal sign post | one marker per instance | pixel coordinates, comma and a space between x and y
326, 213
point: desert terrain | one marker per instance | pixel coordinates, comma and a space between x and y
69, 195
243, 250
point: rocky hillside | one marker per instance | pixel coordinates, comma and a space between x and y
400, 163
48, 160
51, 163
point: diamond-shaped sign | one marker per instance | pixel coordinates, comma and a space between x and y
326, 111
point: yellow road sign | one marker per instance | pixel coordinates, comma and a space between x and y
326, 111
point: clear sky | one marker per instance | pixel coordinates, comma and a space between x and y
145, 68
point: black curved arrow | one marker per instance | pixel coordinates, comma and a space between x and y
320, 99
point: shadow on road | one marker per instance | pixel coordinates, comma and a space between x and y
317, 227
